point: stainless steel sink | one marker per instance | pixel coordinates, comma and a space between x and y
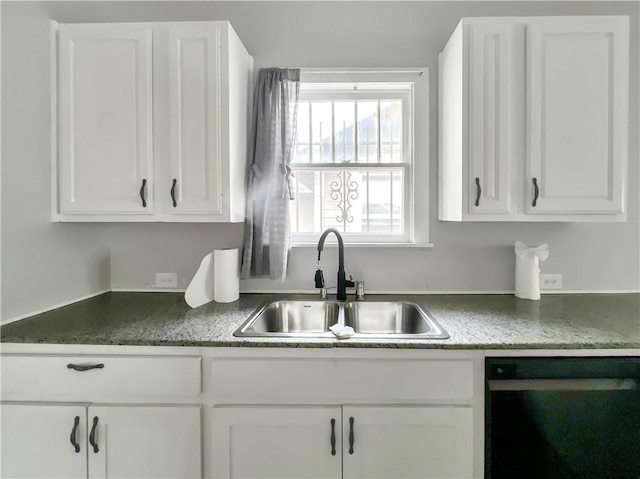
291, 318
392, 319
370, 320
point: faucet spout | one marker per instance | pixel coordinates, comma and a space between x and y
343, 283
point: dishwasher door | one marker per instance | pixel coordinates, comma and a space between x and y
549, 418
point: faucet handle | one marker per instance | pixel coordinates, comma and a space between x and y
323, 292
349, 283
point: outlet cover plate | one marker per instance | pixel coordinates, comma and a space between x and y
551, 281
166, 280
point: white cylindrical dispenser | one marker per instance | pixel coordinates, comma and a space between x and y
226, 275
528, 269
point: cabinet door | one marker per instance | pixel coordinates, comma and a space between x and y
277, 442
36, 441
492, 116
145, 442
194, 64
407, 442
105, 119
577, 103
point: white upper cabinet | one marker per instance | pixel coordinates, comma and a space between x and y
194, 57
577, 108
105, 112
534, 119
491, 111
152, 122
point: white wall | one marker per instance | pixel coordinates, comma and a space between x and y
466, 257
43, 264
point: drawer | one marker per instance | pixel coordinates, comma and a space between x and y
317, 381
32, 377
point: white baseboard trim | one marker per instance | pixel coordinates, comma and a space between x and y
55, 306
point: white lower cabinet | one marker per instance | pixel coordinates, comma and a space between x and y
343, 441
243, 413
407, 442
145, 442
36, 441
276, 442
79, 441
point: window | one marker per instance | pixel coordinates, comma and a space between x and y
353, 159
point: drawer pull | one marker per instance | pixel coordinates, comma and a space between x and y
142, 195
351, 437
83, 367
74, 441
92, 435
333, 437
173, 193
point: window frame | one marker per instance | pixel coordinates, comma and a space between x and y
413, 84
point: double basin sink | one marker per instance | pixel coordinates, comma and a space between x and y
369, 320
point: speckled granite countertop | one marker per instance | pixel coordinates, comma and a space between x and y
473, 321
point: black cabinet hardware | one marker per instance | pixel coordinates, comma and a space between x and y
333, 437
173, 193
92, 435
478, 191
142, 195
351, 436
536, 192
74, 442
84, 367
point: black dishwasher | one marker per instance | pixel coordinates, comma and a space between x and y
569, 418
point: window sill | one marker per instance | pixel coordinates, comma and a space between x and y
365, 245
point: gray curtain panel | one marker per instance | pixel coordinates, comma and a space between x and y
273, 131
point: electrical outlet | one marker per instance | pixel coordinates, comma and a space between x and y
550, 281
166, 280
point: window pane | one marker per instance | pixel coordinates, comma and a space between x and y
329, 130
332, 200
367, 131
345, 113
391, 131
322, 132
350, 200
302, 211
302, 152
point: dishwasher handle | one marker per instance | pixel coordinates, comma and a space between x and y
570, 368
596, 384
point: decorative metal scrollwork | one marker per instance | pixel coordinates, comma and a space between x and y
344, 190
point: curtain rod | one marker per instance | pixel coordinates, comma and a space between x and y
419, 71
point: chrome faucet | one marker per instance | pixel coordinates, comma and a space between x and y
343, 283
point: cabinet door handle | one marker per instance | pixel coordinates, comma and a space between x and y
173, 193
478, 191
536, 192
142, 195
74, 431
333, 437
84, 367
92, 435
351, 436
